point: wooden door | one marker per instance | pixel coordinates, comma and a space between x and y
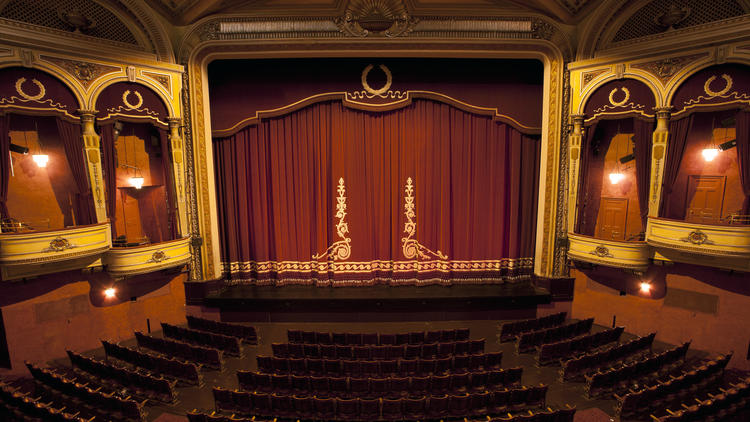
705, 198
613, 216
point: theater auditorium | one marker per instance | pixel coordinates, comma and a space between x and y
374, 210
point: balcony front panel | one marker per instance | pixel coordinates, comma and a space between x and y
147, 258
729, 241
34, 253
612, 253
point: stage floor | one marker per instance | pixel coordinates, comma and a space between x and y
378, 303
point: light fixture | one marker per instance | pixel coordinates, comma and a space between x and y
645, 287
710, 151
136, 182
110, 293
616, 176
41, 160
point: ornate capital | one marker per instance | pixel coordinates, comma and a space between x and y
174, 122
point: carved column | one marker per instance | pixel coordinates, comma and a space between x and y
658, 156
94, 163
574, 163
178, 169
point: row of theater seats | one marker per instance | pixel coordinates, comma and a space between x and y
206, 356
566, 414
246, 333
375, 352
106, 406
16, 405
510, 330
641, 403
588, 363
285, 406
380, 387
382, 339
529, 341
732, 405
553, 352
403, 367
227, 344
142, 385
620, 378
183, 371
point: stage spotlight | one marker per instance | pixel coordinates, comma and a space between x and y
110, 293
645, 287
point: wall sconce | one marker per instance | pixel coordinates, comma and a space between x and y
646, 287
616, 177
41, 160
110, 293
136, 182
710, 153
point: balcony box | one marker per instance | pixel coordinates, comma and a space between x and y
143, 259
612, 253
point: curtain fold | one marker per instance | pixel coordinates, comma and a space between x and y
743, 156
642, 134
587, 202
424, 194
70, 135
109, 165
5, 163
169, 185
678, 134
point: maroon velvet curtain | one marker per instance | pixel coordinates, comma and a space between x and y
169, 186
743, 156
109, 164
70, 136
295, 190
583, 176
4, 163
678, 134
642, 134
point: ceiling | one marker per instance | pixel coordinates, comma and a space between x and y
185, 12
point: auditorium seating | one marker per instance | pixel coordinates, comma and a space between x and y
386, 339
620, 378
141, 385
378, 352
18, 405
183, 371
553, 352
404, 367
246, 333
591, 362
229, 345
108, 405
662, 394
529, 341
510, 330
207, 356
728, 405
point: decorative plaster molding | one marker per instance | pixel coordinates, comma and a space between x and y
587, 77
84, 72
664, 69
161, 78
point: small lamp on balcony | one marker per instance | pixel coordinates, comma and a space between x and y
136, 182
41, 160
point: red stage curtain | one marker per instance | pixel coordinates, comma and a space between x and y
109, 164
169, 185
474, 184
70, 136
743, 156
4, 163
678, 134
642, 134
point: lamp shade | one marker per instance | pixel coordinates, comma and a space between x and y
40, 159
710, 153
136, 182
616, 177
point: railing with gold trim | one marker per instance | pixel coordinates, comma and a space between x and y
633, 255
143, 259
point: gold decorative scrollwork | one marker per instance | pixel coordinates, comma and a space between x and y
707, 86
697, 237
411, 247
621, 102
341, 249
128, 104
58, 244
602, 252
37, 97
157, 257
388, 81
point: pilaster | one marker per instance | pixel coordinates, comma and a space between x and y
178, 168
658, 157
94, 163
574, 163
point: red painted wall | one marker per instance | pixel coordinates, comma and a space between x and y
45, 316
597, 294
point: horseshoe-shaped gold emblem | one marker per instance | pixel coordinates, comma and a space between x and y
388, 81
621, 102
128, 104
36, 97
707, 85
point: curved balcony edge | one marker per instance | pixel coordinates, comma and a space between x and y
612, 253
135, 260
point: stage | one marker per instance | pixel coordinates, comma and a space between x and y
250, 303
